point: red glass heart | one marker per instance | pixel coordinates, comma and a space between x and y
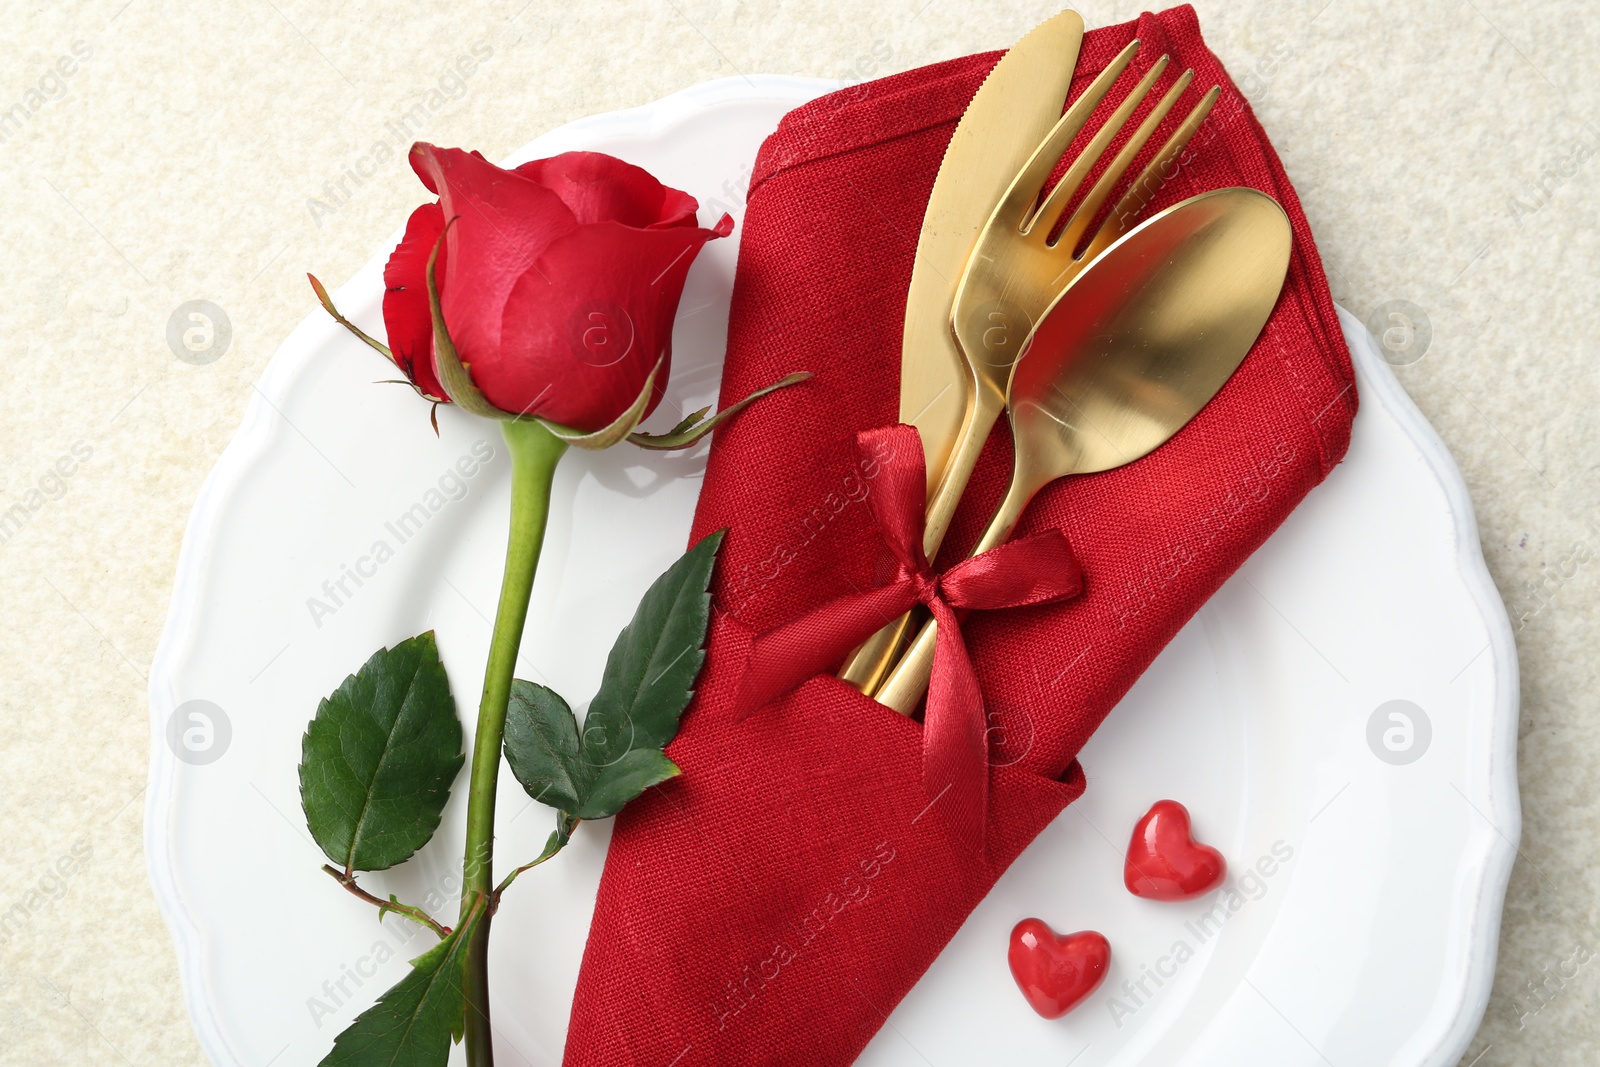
1165, 862
1056, 972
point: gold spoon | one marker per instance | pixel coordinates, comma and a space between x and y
1127, 355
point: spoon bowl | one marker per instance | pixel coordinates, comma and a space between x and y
1145, 339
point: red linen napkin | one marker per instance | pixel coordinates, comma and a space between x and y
775, 902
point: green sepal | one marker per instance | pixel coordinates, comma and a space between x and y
453, 374
327, 305
619, 428
695, 426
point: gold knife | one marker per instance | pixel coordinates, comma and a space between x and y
1010, 114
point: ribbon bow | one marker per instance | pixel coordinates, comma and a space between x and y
1036, 569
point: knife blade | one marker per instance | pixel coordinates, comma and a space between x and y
1009, 115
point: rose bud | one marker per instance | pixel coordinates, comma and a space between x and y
555, 288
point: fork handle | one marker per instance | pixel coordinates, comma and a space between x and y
870, 663
984, 412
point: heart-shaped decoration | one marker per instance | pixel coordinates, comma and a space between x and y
1165, 862
1056, 972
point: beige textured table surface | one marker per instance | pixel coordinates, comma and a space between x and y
164, 152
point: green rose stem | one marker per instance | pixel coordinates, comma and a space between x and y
534, 454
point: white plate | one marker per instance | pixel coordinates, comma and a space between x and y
1371, 941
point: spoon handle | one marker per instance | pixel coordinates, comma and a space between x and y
909, 679
870, 663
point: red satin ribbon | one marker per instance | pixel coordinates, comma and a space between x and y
1036, 569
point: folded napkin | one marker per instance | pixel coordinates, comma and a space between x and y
776, 901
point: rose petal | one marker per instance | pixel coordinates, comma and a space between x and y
503, 221
424, 171
601, 188
583, 331
406, 318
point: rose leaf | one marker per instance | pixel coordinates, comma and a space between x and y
377, 761
413, 1023
541, 744
648, 681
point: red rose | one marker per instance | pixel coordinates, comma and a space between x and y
558, 281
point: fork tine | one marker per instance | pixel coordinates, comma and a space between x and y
1024, 190
1049, 213
1145, 186
1086, 211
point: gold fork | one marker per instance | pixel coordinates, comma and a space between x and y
1015, 272
1134, 349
